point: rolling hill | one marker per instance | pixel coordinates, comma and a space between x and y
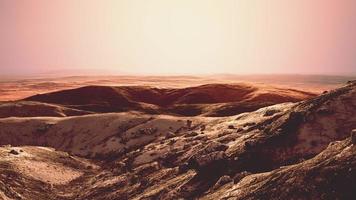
302, 150
206, 100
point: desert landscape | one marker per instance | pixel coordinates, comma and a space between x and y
177, 100
211, 141
16, 88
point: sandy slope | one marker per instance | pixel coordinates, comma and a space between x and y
36, 109
30, 172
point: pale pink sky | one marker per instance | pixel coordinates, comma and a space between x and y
178, 36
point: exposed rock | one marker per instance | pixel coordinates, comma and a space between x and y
239, 130
270, 112
191, 134
211, 147
189, 123
301, 152
239, 176
183, 168
202, 127
208, 162
353, 136
171, 141
170, 135
231, 127
249, 124
222, 181
14, 152
146, 169
329, 175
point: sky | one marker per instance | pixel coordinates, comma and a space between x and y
178, 36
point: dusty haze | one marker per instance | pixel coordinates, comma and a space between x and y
15, 88
178, 37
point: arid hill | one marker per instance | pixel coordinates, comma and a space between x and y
16, 88
37, 109
302, 150
206, 100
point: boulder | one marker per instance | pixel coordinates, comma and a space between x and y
14, 152
205, 162
239, 176
231, 127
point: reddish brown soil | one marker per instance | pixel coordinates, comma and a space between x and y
190, 101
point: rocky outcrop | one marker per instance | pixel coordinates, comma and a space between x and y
329, 175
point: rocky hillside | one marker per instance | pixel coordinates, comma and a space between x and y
299, 150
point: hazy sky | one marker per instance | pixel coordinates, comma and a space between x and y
178, 36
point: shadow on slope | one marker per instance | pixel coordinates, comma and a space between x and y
207, 100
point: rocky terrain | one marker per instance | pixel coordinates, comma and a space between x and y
300, 150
